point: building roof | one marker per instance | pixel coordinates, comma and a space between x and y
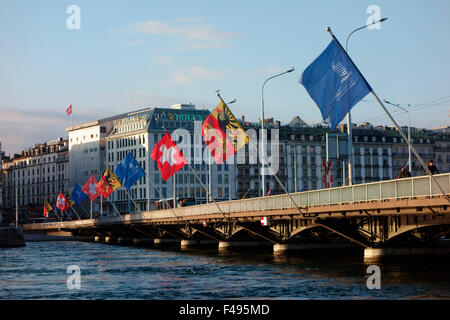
297, 122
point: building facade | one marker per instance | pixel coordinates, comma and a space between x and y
138, 132
33, 175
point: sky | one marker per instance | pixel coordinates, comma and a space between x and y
128, 55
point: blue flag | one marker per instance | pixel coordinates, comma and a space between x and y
77, 195
129, 171
334, 83
55, 208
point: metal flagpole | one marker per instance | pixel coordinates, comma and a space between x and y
174, 191
204, 188
425, 167
393, 121
284, 189
67, 214
165, 201
60, 219
209, 178
75, 212
114, 206
84, 210
135, 204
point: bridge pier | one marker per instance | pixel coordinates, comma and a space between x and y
371, 254
124, 240
143, 241
110, 239
225, 245
280, 248
166, 242
185, 244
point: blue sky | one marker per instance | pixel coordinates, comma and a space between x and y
133, 54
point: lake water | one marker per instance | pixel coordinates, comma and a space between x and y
39, 271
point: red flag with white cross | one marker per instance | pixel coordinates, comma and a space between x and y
62, 202
168, 156
91, 188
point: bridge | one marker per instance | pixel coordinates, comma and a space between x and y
403, 216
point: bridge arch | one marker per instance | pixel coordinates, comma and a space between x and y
403, 230
302, 229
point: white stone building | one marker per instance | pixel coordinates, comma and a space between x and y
38, 173
138, 132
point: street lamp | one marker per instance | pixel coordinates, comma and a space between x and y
409, 131
349, 117
262, 130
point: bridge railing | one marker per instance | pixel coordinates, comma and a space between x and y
422, 186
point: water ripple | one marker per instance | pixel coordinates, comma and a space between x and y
39, 271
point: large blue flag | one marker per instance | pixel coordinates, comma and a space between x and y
129, 171
77, 195
334, 83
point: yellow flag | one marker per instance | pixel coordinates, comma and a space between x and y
230, 126
112, 179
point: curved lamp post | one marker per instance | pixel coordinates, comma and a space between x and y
349, 117
263, 182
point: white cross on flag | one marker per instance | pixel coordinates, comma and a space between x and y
91, 188
168, 156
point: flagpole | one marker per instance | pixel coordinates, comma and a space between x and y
135, 204
75, 212
114, 206
57, 215
67, 214
84, 210
425, 167
165, 201
284, 189
209, 178
392, 119
209, 194
174, 191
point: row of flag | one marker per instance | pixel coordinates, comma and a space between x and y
332, 80
170, 159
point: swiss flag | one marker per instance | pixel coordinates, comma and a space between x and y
69, 110
168, 156
91, 188
62, 202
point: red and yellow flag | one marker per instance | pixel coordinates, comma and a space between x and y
47, 208
109, 183
223, 134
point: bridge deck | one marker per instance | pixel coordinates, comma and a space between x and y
402, 196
